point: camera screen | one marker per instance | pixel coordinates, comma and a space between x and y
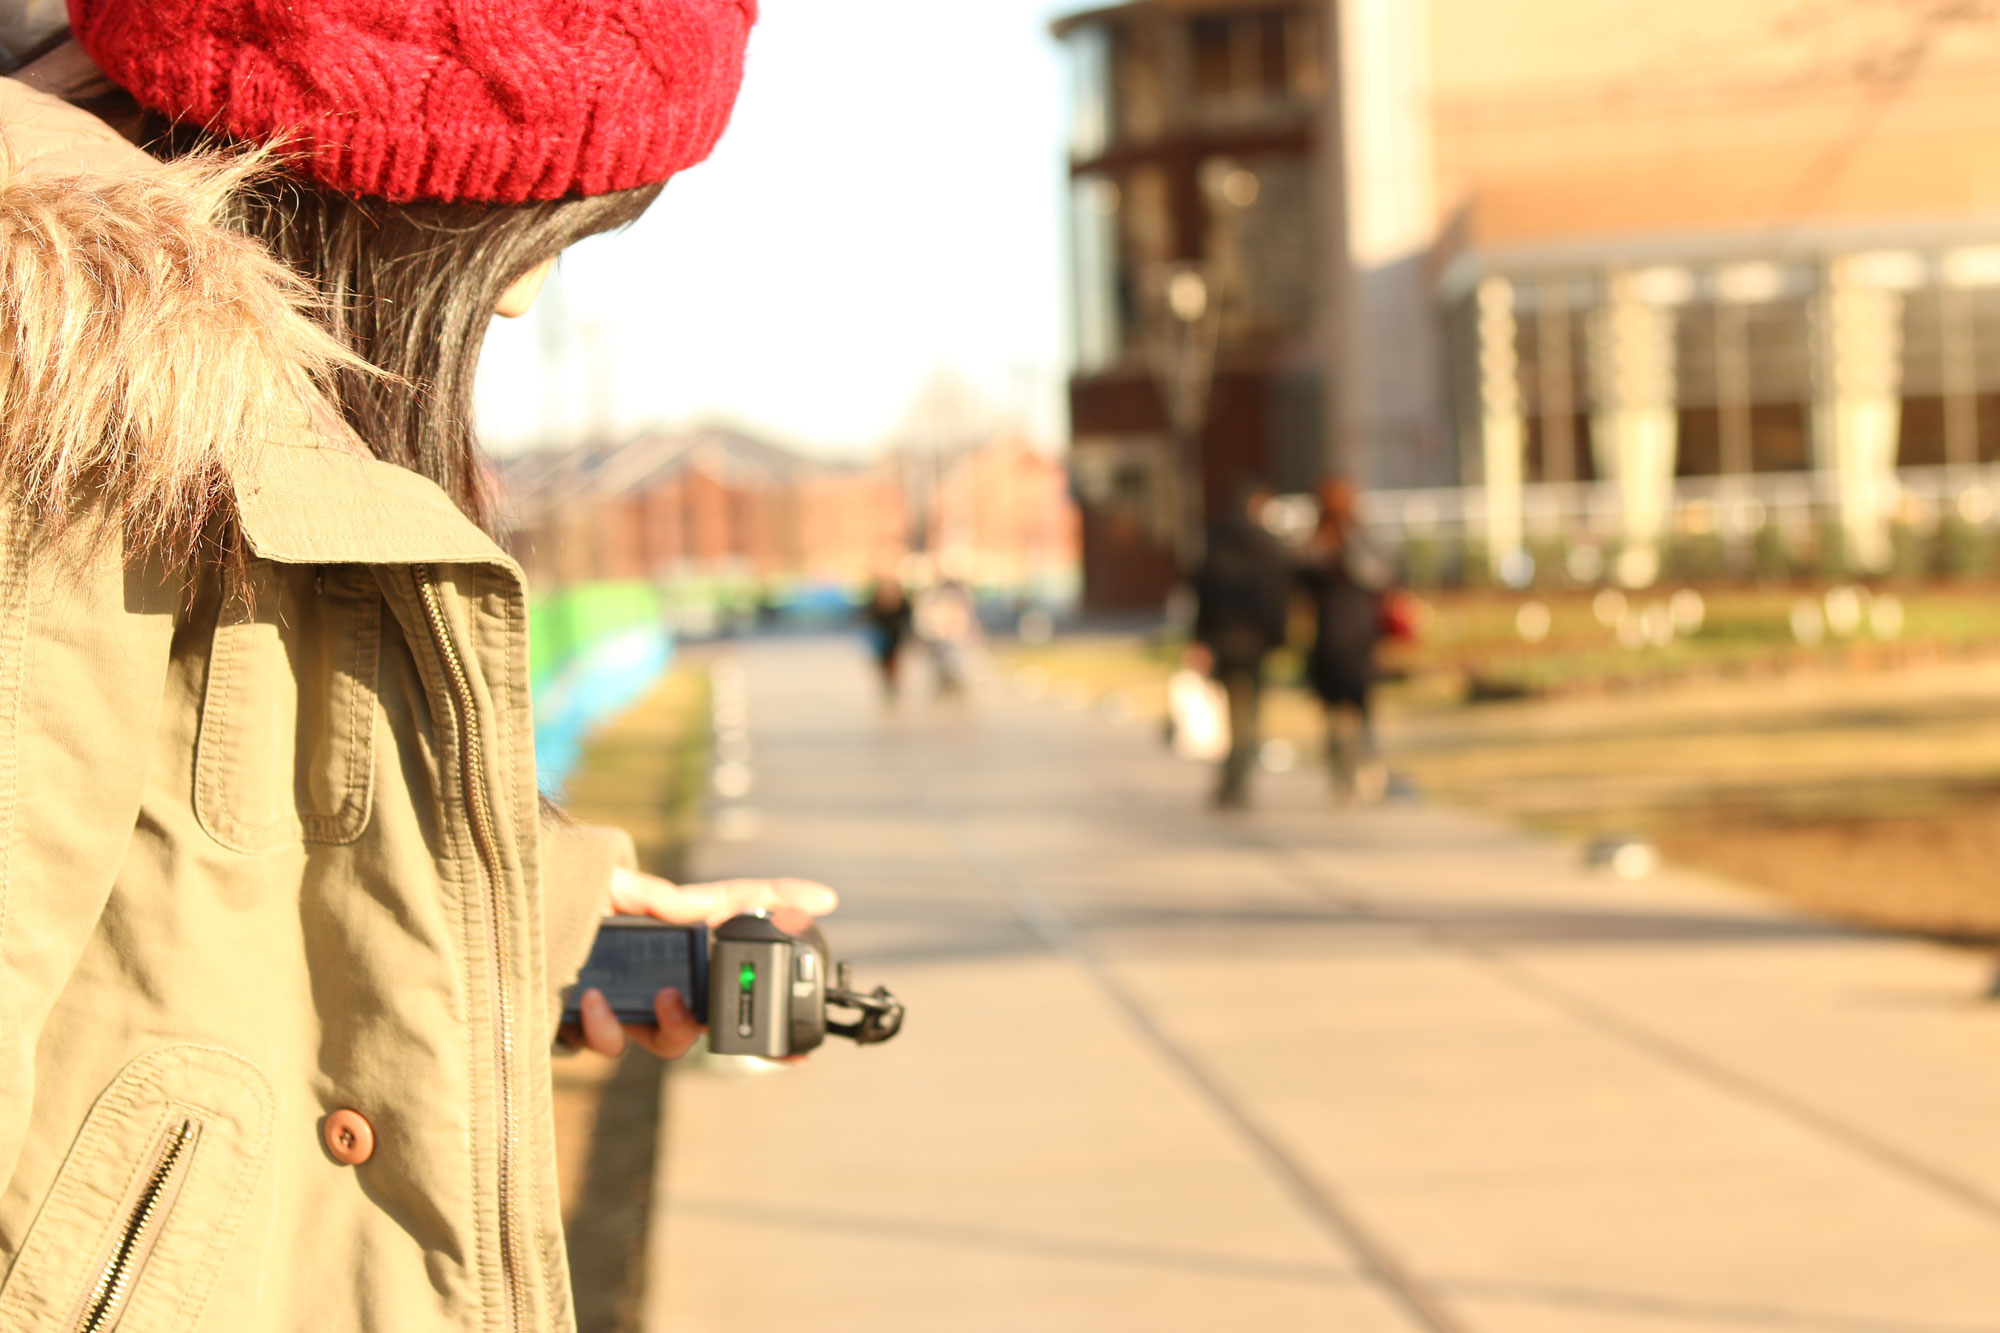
633, 961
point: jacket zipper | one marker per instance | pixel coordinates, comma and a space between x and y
473, 773
104, 1304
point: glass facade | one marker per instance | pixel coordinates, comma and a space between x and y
1951, 368
1753, 359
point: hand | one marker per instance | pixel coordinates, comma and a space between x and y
673, 1036
792, 903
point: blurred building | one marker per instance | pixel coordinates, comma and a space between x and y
713, 504
720, 507
1192, 144
1585, 258
1001, 517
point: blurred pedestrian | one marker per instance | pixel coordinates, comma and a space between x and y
891, 624
286, 927
1346, 581
948, 623
1242, 595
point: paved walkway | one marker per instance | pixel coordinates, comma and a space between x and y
1397, 1070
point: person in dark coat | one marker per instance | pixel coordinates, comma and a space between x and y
1345, 580
1242, 595
891, 623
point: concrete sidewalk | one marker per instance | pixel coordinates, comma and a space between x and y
1395, 1070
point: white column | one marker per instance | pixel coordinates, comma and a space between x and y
1634, 432
1857, 398
1501, 431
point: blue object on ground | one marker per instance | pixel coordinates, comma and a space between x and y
604, 679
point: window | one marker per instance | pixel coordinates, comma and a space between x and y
1261, 244
1273, 56
1089, 51
1122, 232
1251, 65
1097, 327
1140, 95
1214, 58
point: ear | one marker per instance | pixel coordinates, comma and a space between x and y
520, 296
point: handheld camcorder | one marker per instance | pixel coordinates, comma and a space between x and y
761, 990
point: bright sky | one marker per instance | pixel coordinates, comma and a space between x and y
886, 204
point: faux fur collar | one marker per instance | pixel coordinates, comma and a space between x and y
147, 353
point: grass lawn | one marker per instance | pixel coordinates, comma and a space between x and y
1870, 797
1858, 778
645, 772
1473, 641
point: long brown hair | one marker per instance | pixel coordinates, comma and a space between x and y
411, 288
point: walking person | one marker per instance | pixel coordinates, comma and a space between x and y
891, 622
948, 623
283, 926
1346, 580
1242, 595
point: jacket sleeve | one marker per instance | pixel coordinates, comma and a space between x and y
85, 646
577, 863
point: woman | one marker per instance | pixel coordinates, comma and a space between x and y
1345, 581
282, 922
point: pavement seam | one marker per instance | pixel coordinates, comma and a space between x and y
1376, 1260
1686, 1060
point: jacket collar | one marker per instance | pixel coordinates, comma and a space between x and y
315, 496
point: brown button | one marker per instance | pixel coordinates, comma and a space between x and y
350, 1138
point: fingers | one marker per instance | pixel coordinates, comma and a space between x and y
601, 1030
677, 1031
643, 895
674, 1034
736, 896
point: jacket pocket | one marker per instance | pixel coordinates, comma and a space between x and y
147, 1202
286, 750
117, 1274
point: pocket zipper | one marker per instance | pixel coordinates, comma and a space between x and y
104, 1304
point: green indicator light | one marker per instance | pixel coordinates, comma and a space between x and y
746, 977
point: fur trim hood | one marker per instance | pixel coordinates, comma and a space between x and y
148, 355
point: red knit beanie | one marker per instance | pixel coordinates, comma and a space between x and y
488, 101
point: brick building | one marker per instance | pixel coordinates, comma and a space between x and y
1002, 517
721, 506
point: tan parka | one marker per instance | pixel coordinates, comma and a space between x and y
270, 846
